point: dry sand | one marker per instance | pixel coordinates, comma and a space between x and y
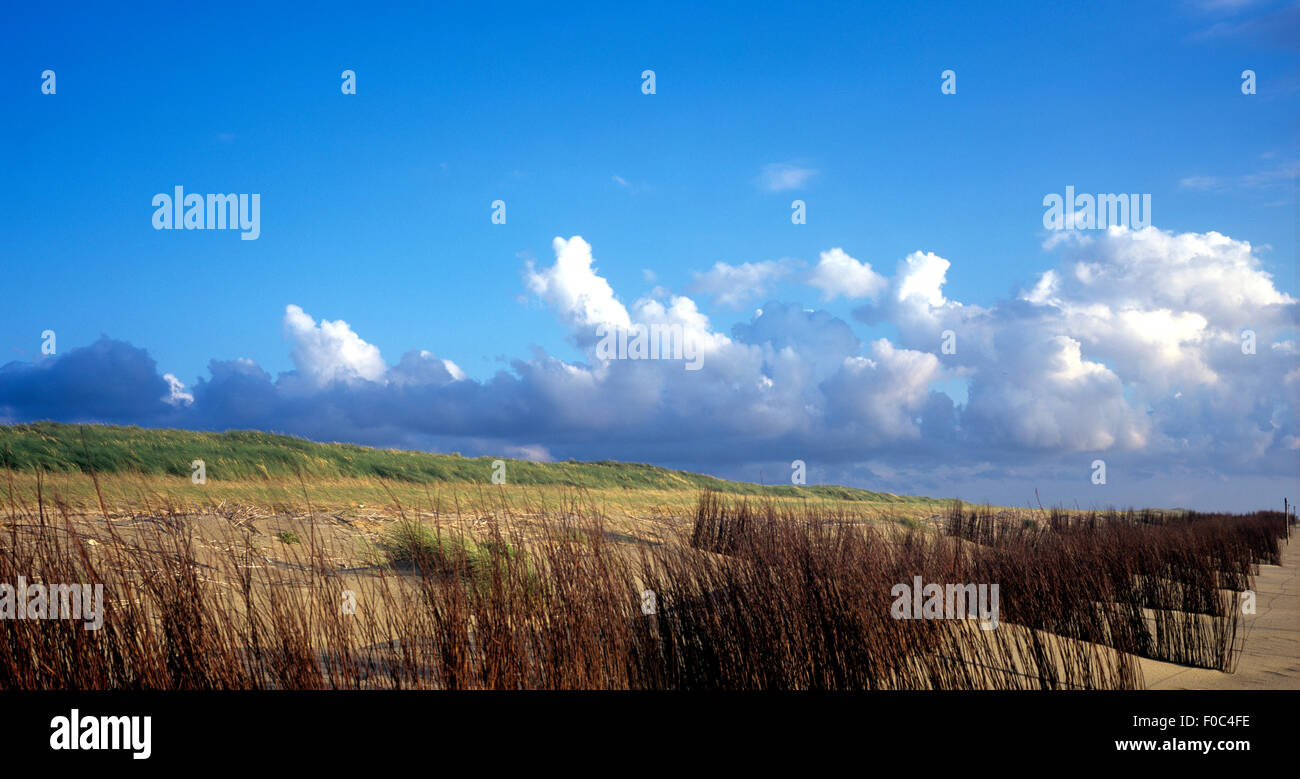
1270, 657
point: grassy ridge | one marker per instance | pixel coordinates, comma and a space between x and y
252, 456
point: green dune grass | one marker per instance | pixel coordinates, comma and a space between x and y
249, 457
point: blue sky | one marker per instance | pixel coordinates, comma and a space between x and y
375, 207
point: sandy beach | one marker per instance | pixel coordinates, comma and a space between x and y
1270, 657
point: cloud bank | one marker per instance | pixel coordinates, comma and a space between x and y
1129, 349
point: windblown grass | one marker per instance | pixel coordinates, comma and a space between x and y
252, 457
1156, 584
753, 595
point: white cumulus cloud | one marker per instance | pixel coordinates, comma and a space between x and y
731, 286
839, 274
330, 351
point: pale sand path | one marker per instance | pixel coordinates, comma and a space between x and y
1270, 658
